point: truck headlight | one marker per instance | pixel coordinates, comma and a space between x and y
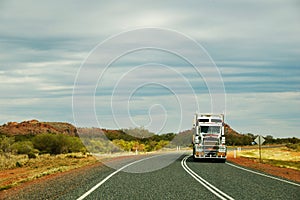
199, 148
222, 149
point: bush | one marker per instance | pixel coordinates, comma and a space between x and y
57, 143
6, 144
18, 164
45, 143
24, 147
295, 147
31, 155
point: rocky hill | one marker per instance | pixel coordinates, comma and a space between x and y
34, 127
230, 131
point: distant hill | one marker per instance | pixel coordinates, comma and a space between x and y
184, 138
104, 134
229, 131
135, 134
34, 127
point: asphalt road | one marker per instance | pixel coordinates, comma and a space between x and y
146, 177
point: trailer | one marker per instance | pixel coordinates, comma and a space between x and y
209, 137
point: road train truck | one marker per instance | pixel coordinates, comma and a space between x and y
209, 137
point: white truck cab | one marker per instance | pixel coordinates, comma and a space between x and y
209, 136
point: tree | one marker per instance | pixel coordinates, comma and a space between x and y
57, 143
140, 132
269, 139
6, 145
23, 147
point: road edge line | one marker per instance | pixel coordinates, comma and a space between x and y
261, 174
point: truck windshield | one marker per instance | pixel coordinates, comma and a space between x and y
210, 129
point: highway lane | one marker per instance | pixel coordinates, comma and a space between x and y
241, 184
171, 182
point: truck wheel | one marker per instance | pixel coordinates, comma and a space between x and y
194, 159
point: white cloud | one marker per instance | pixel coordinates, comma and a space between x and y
264, 113
17, 80
54, 87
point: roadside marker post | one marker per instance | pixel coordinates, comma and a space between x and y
234, 153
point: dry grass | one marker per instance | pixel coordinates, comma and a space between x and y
281, 157
30, 169
10, 161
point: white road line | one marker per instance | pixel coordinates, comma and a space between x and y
261, 174
203, 182
112, 174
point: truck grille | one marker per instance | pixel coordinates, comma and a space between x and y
211, 146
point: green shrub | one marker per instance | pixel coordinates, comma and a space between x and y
18, 164
31, 155
24, 147
6, 144
45, 143
294, 146
57, 143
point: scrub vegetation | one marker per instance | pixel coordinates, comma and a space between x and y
281, 157
136, 139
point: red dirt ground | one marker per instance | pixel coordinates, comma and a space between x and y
286, 173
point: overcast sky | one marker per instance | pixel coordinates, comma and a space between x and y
254, 44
